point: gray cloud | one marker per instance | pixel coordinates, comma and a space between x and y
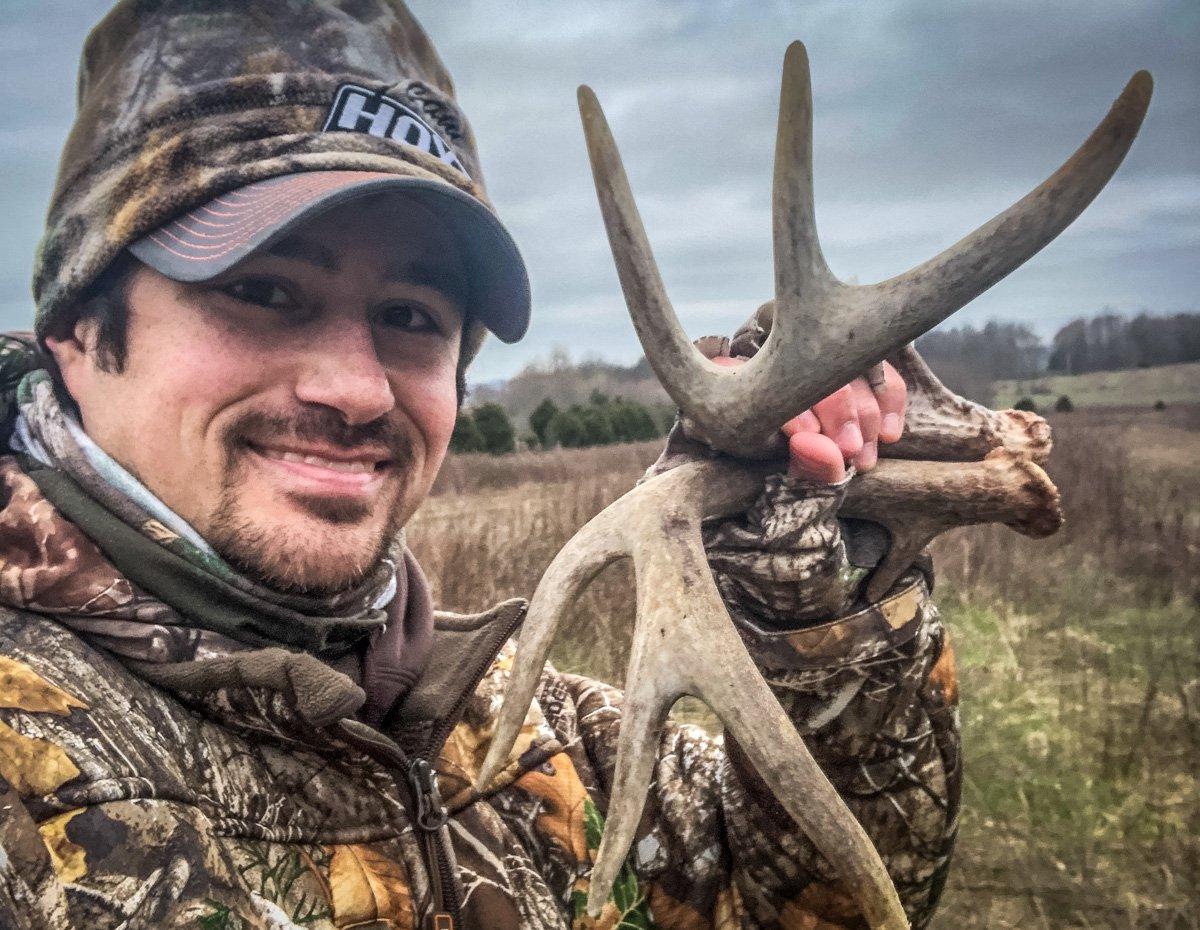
930, 118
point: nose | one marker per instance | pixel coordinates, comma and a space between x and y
343, 371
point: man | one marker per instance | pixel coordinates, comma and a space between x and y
225, 699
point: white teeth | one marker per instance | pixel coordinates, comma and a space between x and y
350, 468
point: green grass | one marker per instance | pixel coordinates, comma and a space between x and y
1138, 387
1080, 735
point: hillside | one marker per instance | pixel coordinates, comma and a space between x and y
1137, 387
567, 382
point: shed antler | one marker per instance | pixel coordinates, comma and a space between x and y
822, 334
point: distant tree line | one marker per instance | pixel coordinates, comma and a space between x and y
601, 421
1110, 343
969, 360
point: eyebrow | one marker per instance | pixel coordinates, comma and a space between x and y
305, 250
440, 279
421, 273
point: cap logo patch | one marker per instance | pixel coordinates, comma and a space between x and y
356, 109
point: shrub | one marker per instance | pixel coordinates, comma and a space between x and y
495, 428
466, 436
630, 421
1159, 405
1026, 403
1064, 405
566, 430
541, 418
597, 428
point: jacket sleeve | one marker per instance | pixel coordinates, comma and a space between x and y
872, 691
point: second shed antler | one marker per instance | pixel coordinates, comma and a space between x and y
823, 333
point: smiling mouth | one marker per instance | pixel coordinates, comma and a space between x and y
349, 466
334, 471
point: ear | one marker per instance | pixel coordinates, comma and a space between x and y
75, 355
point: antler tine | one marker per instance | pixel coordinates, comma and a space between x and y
572, 570
918, 501
799, 265
941, 426
889, 314
650, 691
679, 367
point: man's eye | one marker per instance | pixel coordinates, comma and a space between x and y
407, 316
260, 291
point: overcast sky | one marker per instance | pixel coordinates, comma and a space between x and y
930, 117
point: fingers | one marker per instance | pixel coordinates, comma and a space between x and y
892, 399
838, 415
869, 419
807, 422
815, 457
847, 426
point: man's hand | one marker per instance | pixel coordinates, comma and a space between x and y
845, 427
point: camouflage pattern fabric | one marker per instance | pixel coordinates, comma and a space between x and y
180, 101
248, 809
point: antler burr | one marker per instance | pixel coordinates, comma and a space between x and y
823, 333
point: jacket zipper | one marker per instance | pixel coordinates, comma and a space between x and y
429, 812
430, 818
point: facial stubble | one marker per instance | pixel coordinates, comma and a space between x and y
297, 559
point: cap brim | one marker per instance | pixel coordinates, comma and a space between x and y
211, 239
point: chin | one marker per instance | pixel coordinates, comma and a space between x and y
321, 550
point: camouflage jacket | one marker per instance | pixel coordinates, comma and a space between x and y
227, 801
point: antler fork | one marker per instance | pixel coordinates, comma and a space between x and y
824, 333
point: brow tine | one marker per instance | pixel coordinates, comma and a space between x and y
649, 696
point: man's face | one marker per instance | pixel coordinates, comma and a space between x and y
296, 410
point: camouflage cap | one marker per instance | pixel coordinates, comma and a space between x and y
181, 102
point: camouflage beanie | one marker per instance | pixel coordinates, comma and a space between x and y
181, 101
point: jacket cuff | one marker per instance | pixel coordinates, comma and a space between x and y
851, 639
783, 564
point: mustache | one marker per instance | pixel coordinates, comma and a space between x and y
324, 425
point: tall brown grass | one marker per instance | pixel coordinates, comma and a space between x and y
1079, 659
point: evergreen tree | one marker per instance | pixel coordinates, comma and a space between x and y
466, 436
630, 421
644, 425
495, 428
597, 430
540, 420
566, 430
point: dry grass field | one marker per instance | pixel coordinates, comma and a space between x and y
1079, 659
